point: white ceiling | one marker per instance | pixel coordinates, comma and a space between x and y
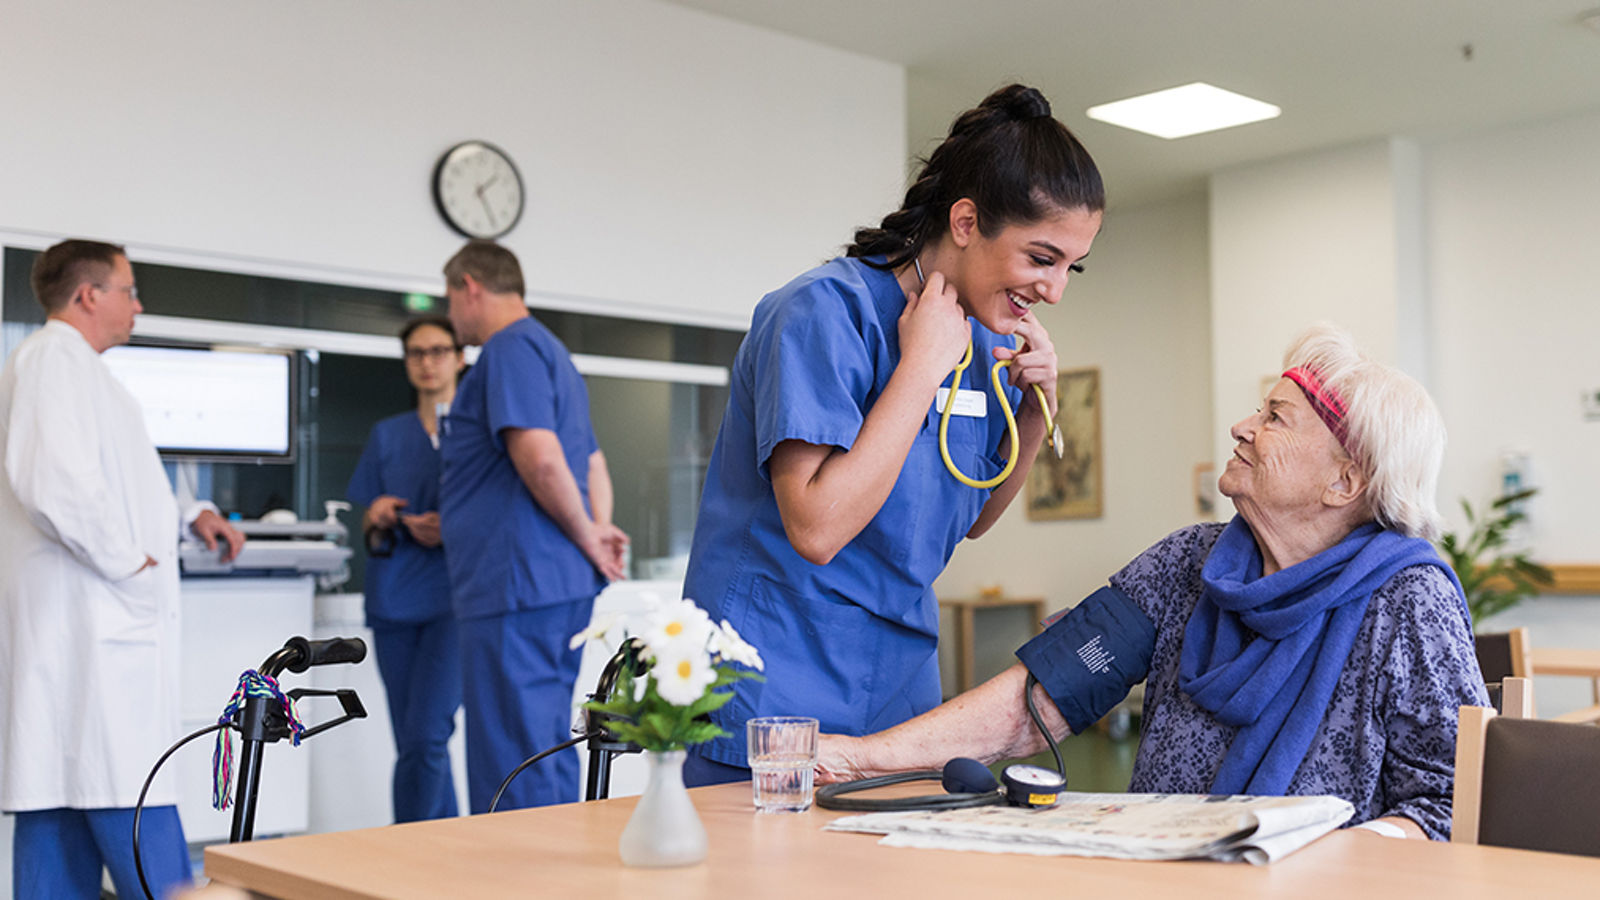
1343, 71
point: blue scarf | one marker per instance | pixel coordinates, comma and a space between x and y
1265, 653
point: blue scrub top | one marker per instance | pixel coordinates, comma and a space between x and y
853, 643
506, 553
411, 585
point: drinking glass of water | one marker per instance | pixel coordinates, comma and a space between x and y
783, 759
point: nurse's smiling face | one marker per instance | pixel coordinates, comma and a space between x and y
1001, 279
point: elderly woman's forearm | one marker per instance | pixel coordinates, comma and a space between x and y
988, 723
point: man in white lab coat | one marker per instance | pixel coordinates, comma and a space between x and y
88, 594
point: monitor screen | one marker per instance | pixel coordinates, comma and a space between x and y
211, 403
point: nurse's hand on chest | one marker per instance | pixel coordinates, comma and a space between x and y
933, 329
424, 528
383, 513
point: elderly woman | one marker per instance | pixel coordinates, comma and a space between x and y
1316, 644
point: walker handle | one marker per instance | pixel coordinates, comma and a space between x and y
324, 653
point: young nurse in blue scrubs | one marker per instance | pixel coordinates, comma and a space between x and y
407, 584
828, 509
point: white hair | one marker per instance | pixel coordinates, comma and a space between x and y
1393, 430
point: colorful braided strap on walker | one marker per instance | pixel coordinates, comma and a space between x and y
251, 684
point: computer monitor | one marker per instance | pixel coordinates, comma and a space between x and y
218, 404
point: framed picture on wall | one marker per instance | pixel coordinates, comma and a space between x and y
1071, 487
1205, 491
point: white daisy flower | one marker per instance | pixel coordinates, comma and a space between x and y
682, 677
598, 627
678, 625
726, 643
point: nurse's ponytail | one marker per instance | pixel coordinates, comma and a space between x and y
1008, 156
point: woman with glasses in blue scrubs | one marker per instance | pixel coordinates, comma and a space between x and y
829, 507
407, 586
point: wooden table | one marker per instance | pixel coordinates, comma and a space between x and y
571, 852
1560, 661
965, 610
1584, 663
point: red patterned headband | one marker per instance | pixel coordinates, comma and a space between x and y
1330, 407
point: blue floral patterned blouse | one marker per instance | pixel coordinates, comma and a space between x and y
1387, 742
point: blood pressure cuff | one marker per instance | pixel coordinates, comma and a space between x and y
1088, 659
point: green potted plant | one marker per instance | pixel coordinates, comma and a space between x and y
1493, 577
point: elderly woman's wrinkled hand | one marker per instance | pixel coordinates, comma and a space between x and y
836, 758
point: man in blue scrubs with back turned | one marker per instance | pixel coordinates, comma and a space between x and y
525, 504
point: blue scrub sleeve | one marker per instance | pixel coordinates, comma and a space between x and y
813, 374
1088, 659
366, 483
518, 389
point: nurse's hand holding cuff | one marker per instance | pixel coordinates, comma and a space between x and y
384, 513
424, 528
1033, 362
210, 527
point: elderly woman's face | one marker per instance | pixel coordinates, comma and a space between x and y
1285, 459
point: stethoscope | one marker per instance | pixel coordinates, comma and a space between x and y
1056, 442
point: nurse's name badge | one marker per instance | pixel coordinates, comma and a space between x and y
973, 404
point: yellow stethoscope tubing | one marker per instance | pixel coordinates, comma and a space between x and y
1005, 407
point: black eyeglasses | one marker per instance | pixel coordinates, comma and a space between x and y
418, 354
132, 290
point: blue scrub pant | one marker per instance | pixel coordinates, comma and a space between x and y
699, 771
421, 667
517, 689
58, 853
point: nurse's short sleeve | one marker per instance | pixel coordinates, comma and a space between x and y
518, 389
813, 374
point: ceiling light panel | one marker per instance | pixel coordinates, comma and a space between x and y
1181, 111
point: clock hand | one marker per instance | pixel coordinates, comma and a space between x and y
487, 211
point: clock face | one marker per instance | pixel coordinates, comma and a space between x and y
478, 190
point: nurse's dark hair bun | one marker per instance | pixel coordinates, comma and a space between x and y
1018, 101
1007, 155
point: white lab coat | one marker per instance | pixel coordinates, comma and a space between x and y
88, 642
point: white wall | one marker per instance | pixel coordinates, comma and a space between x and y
1139, 313
676, 164
1302, 239
1515, 235
1467, 262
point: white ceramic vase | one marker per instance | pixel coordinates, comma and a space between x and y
664, 830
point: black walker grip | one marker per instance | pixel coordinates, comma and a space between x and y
325, 653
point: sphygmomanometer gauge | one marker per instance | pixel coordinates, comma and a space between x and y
1032, 786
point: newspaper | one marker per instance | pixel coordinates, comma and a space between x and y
1257, 830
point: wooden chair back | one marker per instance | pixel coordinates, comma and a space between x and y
1526, 783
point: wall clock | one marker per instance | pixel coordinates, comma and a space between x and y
478, 190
